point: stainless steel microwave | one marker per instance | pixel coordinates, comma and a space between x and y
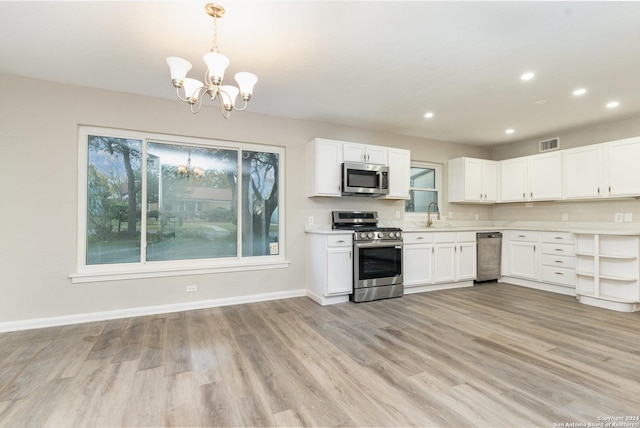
365, 179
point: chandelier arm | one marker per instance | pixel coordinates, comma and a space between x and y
246, 103
225, 113
178, 94
198, 103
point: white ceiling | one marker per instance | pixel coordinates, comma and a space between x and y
376, 65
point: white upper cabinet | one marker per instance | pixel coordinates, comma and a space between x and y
324, 163
602, 170
399, 162
531, 178
354, 152
582, 172
513, 180
472, 180
623, 167
545, 176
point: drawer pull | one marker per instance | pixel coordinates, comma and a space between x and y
558, 237
559, 261
559, 273
522, 236
420, 237
558, 249
340, 241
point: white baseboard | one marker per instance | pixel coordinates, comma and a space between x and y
145, 310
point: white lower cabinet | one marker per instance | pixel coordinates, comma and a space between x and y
454, 256
558, 259
330, 270
521, 254
608, 271
432, 258
417, 253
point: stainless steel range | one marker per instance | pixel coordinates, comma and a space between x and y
377, 262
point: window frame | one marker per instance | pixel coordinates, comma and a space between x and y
151, 269
437, 167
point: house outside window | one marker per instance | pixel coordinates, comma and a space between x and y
425, 188
209, 204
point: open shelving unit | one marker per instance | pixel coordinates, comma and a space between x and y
608, 271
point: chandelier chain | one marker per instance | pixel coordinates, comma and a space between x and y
214, 45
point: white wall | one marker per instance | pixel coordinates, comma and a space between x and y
38, 179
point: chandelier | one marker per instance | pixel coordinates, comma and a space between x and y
186, 171
193, 91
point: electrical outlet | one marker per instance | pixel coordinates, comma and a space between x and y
477, 216
618, 218
628, 217
565, 216
311, 219
191, 288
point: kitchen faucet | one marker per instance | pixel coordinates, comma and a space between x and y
429, 222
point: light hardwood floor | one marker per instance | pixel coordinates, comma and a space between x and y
495, 355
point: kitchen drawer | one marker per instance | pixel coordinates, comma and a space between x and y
467, 236
559, 261
339, 240
560, 276
417, 238
558, 237
524, 235
559, 249
445, 237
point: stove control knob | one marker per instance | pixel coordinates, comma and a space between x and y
363, 235
371, 235
392, 235
380, 235
398, 235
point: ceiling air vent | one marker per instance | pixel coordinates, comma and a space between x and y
550, 144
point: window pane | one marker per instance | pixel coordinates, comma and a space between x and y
113, 200
191, 202
260, 203
419, 201
424, 178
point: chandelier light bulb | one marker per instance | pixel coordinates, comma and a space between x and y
229, 95
217, 64
246, 81
179, 68
191, 89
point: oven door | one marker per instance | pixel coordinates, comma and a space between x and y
377, 263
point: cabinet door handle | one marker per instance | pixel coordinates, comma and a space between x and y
609, 189
532, 194
349, 255
523, 196
534, 248
598, 190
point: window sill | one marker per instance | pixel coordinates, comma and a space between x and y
158, 272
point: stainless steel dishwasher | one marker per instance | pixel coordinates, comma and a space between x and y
489, 256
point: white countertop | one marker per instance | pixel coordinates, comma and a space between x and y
630, 229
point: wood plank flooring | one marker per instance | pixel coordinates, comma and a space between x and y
495, 355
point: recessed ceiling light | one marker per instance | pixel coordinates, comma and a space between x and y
509, 131
613, 104
579, 91
527, 76
428, 115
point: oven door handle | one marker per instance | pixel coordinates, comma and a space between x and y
396, 244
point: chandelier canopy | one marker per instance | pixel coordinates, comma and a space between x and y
193, 91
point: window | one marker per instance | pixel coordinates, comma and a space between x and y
208, 205
425, 188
